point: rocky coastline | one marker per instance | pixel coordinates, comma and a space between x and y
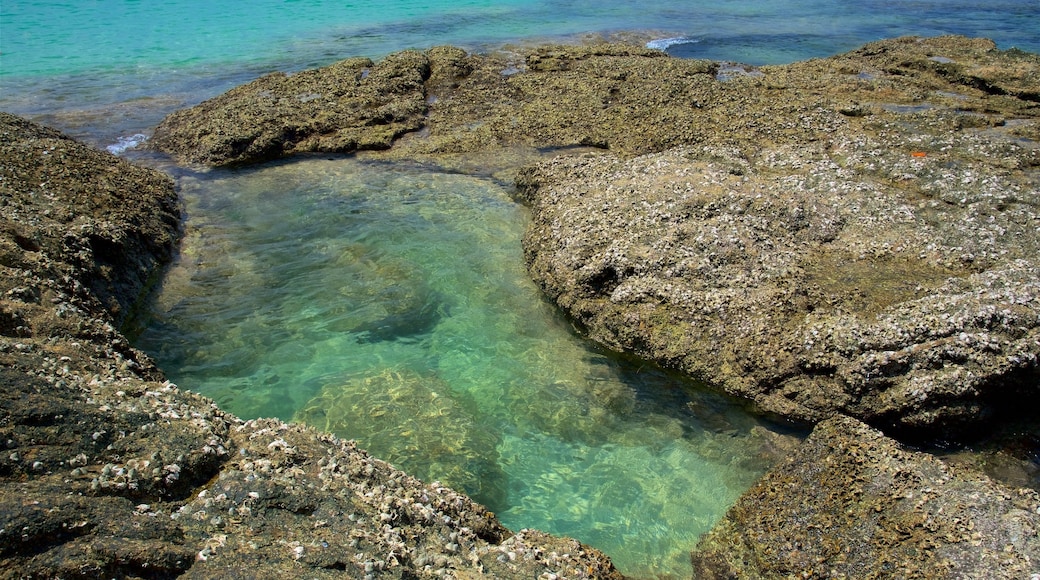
850, 242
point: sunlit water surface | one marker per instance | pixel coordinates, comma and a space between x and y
390, 305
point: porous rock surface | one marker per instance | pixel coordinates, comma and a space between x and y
901, 514
349, 106
861, 236
107, 470
444, 101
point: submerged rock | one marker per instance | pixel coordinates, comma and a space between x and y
415, 425
108, 470
851, 502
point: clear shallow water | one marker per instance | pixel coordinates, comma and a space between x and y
390, 305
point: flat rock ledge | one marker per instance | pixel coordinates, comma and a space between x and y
108, 470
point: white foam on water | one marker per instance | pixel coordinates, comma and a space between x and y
125, 143
666, 43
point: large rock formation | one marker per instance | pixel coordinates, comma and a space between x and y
456, 103
863, 239
349, 106
107, 470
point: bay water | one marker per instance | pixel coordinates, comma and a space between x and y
388, 302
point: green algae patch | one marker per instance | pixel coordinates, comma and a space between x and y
868, 286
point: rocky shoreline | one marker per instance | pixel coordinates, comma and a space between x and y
843, 241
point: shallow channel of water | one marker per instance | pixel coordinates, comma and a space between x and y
389, 304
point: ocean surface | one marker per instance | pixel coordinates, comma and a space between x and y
388, 303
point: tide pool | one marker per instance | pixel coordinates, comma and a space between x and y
389, 304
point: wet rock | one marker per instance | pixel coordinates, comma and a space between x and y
851, 502
108, 470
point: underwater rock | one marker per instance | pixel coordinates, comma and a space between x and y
865, 507
413, 315
415, 423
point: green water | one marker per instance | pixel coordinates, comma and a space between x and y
390, 305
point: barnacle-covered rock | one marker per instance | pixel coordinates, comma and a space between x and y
867, 508
349, 106
816, 261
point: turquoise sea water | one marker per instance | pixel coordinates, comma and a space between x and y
388, 303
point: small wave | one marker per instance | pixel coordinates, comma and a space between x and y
731, 70
125, 143
665, 43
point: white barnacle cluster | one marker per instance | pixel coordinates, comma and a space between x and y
172, 473
281, 445
125, 476
214, 446
210, 547
62, 370
211, 508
